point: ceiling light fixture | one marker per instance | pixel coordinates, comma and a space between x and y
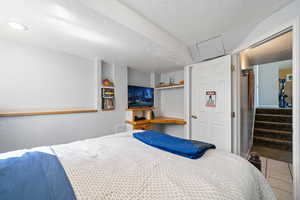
18, 26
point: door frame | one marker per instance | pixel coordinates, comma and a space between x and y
187, 101
294, 25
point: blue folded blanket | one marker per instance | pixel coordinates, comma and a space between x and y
34, 176
187, 148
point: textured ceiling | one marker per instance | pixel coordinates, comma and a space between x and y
72, 27
149, 35
192, 21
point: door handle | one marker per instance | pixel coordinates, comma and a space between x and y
194, 117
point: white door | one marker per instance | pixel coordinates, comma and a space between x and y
211, 102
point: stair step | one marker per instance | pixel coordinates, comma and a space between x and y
273, 143
274, 118
276, 111
276, 134
274, 125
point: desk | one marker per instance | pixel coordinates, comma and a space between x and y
147, 124
167, 120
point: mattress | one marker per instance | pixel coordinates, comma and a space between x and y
121, 167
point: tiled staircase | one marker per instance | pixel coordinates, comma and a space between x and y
273, 128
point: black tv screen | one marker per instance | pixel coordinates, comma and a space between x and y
140, 97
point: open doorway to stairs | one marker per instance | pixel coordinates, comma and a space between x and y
266, 108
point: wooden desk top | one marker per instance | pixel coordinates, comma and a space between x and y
159, 120
138, 122
167, 120
140, 109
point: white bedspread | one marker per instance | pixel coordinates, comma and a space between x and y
121, 167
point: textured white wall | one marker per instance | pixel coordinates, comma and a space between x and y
268, 85
171, 103
26, 132
139, 78
34, 79
176, 75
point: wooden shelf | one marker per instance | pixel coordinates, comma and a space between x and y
139, 109
138, 122
109, 87
45, 113
159, 120
107, 109
168, 120
169, 86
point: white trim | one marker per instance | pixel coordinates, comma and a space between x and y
296, 107
279, 29
256, 90
267, 106
98, 66
295, 24
236, 102
187, 101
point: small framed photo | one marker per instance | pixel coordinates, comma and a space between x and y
211, 98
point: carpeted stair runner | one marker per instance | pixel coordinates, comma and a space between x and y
273, 130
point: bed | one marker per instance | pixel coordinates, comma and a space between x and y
121, 167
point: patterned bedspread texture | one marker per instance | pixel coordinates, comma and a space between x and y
121, 167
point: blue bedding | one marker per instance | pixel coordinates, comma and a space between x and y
187, 148
34, 176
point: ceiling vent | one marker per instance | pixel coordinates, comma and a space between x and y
208, 49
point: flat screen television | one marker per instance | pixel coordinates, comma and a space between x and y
140, 97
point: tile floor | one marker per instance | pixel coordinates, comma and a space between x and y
279, 175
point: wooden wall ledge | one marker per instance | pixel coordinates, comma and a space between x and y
159, 120
168, 120
45, 113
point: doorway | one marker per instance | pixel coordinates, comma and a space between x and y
266, 81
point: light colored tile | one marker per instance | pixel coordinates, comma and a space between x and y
264, 166
282, 195
279, 184
276, 164
286, 176
281, 170
278, 169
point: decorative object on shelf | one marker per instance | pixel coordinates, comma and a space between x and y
171, 80
136, 118
107, 83
152, 114
166, 86
108, 98
181, 82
